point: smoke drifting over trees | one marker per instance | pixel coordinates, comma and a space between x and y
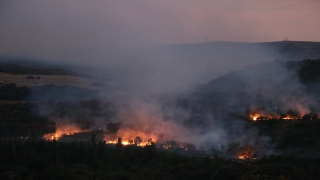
212, 117
152, 88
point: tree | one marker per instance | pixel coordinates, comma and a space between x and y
137, 141
131, 142
119, 140
150, 142
93, 139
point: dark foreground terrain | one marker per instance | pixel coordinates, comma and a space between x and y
38, 159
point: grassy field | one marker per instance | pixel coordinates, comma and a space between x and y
59, 80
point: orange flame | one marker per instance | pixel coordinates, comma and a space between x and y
263, 116
62, 130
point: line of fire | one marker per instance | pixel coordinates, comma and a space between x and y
112, 136
290, 115
259, 117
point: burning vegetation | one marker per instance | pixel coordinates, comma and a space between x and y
115, 134
109, 134
62, 131
247, 156
258, 116
247, 153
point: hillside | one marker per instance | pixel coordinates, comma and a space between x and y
273, 88
281, 99
24, 73
296, 50
59, 80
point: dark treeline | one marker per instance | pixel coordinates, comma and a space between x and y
293, 137
17, 69
10, 91
61, 93
38, 159
308, 70
19, 119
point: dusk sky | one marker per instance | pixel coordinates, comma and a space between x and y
28, 27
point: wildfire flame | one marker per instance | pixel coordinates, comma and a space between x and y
263, 116
254, 117
247, 155
127, 136
62, 130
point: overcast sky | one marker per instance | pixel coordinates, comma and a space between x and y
32, 25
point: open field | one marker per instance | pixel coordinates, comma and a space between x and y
59, 80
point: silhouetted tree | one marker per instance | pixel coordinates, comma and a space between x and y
137, 141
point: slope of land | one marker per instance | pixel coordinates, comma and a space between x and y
37, 74
59, 80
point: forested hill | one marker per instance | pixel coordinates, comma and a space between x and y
274, 87
284, 97
308, 70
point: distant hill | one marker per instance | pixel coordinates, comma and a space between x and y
209, 60
296, 50
291, 50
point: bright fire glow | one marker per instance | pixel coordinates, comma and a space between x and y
241, 157
254, 117
128, 136
245, 155
62, 130
129, 142
149, 127
262, 116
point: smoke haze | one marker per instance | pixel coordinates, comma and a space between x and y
124, 43
118, 38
